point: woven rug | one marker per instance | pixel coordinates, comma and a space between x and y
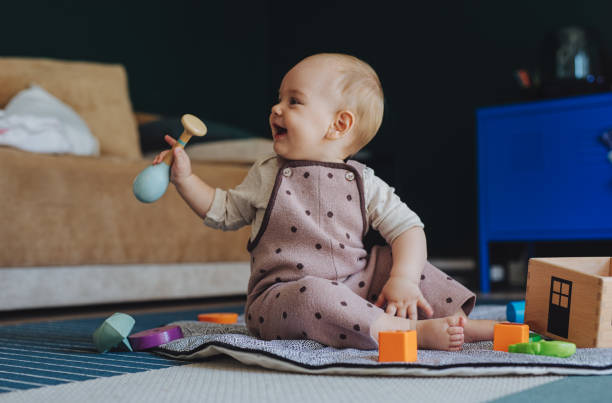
203, 340
34, 355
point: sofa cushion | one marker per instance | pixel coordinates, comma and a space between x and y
97, 92
72, 210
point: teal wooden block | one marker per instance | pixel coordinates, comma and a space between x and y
113, 331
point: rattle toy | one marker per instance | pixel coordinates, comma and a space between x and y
113, 331
152, 182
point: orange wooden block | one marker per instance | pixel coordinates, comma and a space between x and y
397, 346
505, 334
218, 317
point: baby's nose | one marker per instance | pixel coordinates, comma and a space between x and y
276, 109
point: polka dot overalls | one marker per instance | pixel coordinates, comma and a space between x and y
311, 277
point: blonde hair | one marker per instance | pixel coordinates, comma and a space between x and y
362, 93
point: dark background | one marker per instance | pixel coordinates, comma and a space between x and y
438, 62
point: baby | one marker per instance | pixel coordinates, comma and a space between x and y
309, 208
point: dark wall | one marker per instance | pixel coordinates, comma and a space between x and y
438, 61
207, 58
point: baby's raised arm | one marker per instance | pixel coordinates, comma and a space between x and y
198, 194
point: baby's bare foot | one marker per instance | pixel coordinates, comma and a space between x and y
441, 334
478, 330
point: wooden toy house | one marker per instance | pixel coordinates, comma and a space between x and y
570, 299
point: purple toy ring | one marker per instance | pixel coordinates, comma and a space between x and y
155, 337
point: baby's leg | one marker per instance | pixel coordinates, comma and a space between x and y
314, 308
477, 329
444, 294
435, 334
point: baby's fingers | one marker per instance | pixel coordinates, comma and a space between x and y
427, 309
180, 158
160, 157
412, 311
391, 309
169, 140
380, 302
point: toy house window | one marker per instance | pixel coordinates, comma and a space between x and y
560, 293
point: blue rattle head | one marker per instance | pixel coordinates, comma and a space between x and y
151, 183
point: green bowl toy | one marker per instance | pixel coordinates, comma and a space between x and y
555, 348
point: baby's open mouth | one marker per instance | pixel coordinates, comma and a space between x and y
279, 131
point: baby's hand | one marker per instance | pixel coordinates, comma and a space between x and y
181, 166
403, 296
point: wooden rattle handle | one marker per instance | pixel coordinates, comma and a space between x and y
192, 127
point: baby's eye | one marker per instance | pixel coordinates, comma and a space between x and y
294, 101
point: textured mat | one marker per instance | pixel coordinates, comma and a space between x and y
203, 340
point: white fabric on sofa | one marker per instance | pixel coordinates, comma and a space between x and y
36, 121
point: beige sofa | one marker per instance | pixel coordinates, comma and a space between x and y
71, 231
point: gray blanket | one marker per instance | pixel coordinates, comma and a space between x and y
204, 340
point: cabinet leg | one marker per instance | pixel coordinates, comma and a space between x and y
483, 266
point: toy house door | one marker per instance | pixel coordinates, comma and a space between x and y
559, 306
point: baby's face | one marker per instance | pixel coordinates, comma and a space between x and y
305, 113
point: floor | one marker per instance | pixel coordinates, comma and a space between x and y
226, 380
38, 315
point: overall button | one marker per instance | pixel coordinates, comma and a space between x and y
349, 176
287, 172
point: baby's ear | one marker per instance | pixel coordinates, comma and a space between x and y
343, 123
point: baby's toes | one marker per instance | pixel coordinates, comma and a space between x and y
456, 342
456, 338
455, 320
453, 330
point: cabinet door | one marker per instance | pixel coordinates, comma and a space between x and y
543, 172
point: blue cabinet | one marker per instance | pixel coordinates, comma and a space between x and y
543, 173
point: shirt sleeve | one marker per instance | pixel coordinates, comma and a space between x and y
234, 208
386, 213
